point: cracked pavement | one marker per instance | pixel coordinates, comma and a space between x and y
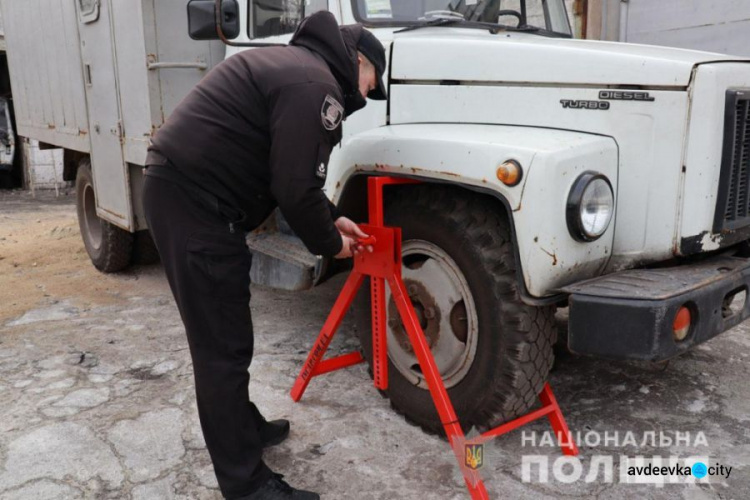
97, 397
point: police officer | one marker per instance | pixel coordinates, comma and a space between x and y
254, 134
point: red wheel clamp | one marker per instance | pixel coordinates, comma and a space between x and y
384, 264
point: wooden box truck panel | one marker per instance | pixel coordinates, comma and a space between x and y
157, 65
46, 72
99, 77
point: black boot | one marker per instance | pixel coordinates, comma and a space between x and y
277, 489
273, 432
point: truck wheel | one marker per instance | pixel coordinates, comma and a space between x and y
493, 351
109, 247
144, 250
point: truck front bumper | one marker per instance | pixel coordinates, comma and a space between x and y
630, 314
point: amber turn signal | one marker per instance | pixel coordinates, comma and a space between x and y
681, 324
510, 173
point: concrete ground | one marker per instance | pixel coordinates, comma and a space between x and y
97, 401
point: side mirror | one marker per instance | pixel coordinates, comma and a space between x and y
202, 19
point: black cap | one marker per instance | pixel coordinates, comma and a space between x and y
374, 51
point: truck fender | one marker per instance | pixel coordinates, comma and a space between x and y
469, 155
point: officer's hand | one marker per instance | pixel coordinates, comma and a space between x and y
346, 249
351, 230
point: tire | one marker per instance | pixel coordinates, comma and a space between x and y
144, 250
109, 247
455, 245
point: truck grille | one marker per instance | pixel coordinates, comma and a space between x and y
733, 204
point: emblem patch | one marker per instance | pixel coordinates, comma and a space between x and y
331, 113
474, 456
320, 171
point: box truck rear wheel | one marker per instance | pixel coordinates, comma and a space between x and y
109, 247
493, 351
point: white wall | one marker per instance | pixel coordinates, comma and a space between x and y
721, 26
714, 25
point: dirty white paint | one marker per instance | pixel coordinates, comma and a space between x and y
45, 167
710, 242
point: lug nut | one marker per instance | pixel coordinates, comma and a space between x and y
429, 313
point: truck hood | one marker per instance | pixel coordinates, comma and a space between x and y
477, 56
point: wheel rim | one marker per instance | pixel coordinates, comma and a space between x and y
93, 225
446, 311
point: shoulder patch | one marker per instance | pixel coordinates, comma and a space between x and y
331, 113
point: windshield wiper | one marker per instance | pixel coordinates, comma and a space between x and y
526, 28
493, 28
447, 21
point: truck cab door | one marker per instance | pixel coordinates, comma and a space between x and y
111, 181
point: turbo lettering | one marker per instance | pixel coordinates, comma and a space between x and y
595, 105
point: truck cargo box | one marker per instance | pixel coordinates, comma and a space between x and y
99, 77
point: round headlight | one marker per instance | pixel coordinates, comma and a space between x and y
590, 206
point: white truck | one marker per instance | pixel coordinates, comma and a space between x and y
609, 178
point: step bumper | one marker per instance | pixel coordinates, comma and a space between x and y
630, 314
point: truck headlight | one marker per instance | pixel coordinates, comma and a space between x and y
590, 206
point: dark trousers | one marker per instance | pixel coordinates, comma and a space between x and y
207, 264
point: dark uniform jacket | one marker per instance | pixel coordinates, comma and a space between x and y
257, 131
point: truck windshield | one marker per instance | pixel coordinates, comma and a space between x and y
543, 16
